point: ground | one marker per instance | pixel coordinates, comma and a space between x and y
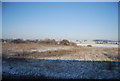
59, 61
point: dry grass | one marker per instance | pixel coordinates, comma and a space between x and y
26, 46
74, 52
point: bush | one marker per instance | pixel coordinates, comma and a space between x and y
17, 41
89, 45
64, 42
47, 41
73, 44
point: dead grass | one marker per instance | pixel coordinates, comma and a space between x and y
27, 46
76, 51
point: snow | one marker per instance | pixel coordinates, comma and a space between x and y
64, 69
48, 49
99, 45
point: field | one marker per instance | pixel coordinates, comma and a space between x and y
59, 61
60, 52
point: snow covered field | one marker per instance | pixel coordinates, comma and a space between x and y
99, 45
60, 69
49, 49
60, 62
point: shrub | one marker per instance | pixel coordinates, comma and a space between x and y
89, 45
47, 41
17, 41
73, 44
64, 42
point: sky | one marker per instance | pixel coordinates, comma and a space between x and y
60, 20
60, 0
0, 20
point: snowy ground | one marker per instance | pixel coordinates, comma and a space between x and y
60, 69
0, 68
85, 63
49, 49
99, 45
0, 64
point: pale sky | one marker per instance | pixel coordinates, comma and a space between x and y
60, 20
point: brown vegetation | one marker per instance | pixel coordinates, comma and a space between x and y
65, 52
47, 41
17, 41
68, 43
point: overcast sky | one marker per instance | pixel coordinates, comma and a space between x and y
60, 20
